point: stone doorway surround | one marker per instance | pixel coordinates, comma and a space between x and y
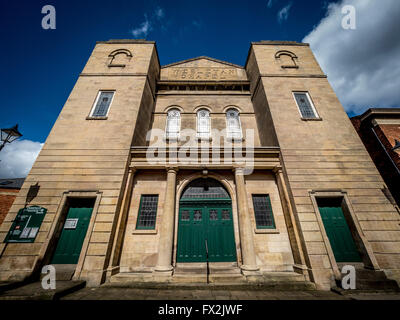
51, 242
230, 188
368, 257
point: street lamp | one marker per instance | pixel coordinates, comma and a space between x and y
9, 135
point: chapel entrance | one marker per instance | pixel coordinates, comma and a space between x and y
205, 221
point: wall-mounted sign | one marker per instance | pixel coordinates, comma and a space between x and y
201, 73
71, 223
26, 224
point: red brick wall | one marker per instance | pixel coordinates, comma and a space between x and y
386, 133
6, 200
392, 132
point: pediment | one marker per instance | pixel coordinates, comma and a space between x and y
202, 69
202, 62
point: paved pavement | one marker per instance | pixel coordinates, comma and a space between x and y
117, 293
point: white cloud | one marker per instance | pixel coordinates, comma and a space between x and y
159, 13
17, 158
363, 65
147, 25
270, 3
283, 14
144, 29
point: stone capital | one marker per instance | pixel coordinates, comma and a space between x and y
132, 170
238, 170
172, 169
277, 169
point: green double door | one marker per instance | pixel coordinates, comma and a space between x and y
72, 235
338, 232
206, 224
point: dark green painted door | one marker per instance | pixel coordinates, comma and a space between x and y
74, 231
339, 234
202, 221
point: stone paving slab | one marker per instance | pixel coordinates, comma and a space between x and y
68, 290
34, 291
109, 293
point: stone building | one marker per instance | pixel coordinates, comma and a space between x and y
150, 171
379, 130
8, 192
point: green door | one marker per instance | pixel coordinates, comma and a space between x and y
205, 221
71, 239
339, 234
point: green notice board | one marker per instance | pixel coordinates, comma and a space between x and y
26, 225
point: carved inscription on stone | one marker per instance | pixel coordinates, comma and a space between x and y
202, 73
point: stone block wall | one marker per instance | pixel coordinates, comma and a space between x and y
322, 155
84, 154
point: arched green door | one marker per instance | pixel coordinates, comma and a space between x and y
205, 219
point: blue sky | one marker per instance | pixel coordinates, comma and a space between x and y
40, 67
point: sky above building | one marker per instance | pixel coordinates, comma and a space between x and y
40, 67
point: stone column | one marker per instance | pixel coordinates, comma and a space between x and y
246, 233
164, 262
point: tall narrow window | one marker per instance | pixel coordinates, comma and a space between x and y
203, 124
147, 212
305, 105
263, 211
102, 103
234, 129
173, 124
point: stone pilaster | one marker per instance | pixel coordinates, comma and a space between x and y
164, 262
292, 225
121, 225
246, 234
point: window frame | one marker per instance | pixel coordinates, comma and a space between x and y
228, 132
198, 133
137, 227
317, 117
258, 227
91, 116
167, 134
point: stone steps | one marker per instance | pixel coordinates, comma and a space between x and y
233, 281
212, 278
370, 281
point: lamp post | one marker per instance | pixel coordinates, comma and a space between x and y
9, 135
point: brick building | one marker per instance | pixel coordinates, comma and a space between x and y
379, 129
9, 189
148, 166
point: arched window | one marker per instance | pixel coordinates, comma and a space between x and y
173, 124
205, 188
233, 127
203, 124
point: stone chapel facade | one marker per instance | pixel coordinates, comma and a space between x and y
126, 201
